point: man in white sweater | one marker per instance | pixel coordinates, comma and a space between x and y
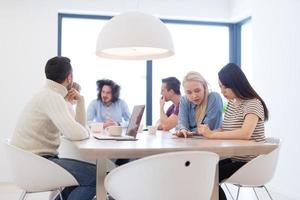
46, 117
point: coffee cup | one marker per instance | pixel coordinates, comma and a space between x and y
114, 130
96, 127
152, 129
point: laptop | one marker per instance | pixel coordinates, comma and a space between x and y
132, 129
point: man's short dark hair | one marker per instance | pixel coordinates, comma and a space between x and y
115, 89
58, 68
172, 83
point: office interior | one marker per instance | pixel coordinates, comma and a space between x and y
29, 37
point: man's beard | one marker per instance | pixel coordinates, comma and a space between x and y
106, 101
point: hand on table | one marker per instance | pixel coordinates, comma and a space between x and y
184, 133
110, 122
204, 130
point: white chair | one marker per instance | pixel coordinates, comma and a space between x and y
68, 150
33, 173
176, 176
257, 172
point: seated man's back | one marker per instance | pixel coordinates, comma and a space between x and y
38, 128
46, 117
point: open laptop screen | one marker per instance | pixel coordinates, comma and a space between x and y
135, 120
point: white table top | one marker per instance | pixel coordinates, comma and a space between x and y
162, 142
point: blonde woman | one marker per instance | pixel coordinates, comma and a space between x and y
198, 106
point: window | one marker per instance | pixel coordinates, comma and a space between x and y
199, 46
78, 42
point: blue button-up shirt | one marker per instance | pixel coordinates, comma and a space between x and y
117, 111
213, 116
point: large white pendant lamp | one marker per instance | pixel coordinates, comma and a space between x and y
134, 36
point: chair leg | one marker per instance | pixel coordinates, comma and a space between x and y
53, 194
255, 193
238, 193
60, 195
23, 195
229, 191
268, 192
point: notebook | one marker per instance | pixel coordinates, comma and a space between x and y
132, 129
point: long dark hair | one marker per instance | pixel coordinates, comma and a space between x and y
232, 76
115, 89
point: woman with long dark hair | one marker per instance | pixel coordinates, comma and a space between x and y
244, 118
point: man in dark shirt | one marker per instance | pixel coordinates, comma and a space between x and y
170, 91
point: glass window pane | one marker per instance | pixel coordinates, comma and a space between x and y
197, 48
201, 48
79, 38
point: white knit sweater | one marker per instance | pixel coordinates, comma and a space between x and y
45, 117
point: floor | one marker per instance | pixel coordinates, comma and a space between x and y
11, 192
248, 193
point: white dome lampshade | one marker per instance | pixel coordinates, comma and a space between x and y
134, 36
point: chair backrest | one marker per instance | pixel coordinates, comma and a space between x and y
177, 175
34, 173
259, 170
68, 150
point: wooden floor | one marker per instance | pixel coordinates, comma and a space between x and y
11, 192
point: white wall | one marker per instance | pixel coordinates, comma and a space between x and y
276, 61
276, 64
28, 38
240, 9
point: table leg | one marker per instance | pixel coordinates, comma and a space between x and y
215, 193
101, 173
